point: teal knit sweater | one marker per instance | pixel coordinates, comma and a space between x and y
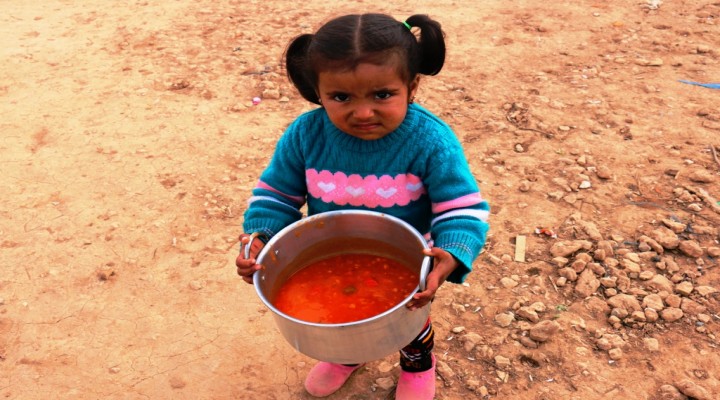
417, 173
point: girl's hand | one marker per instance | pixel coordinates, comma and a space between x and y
246, 267
444, 264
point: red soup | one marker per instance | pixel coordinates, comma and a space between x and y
345, 288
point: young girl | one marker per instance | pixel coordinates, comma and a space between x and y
369, 146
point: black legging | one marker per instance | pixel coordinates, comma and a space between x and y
416, 357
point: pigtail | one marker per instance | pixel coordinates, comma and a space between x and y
431, 42
298, 67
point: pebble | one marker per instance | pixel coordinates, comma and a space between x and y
385, 367
684, 288
508, 283
544, 330
603, 172
691, 248
671, 314
177, 382
385, 383
505, 319
692, 390
651, 344
458, 329
502, 362
653, 301
445, 371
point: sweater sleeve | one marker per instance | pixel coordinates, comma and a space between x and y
281, 190
459, 212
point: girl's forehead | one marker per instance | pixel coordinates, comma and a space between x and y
372, 74
387, 71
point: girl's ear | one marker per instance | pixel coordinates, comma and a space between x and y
413, 87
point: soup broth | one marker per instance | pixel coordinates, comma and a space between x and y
345, 288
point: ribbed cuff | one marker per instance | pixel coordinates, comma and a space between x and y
464, 247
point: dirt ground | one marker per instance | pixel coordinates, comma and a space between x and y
130, 144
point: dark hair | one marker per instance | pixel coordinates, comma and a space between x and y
347, 41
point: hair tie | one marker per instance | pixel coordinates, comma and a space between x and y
407, 25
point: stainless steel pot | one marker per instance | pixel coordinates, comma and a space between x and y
332, 233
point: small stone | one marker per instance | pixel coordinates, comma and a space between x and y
653, 301
505, 319
508, 283
273, 94
692, 390
472, 384
495, 260
665, 237
701, 176
585, 185
470, 340
560, 261
196, 285
692, 307
671, 314
651, 315
669, 392
674, 226
587, 283
525, 186
458, 329
385, 383
673, 300
445, 371
385, 367
483, 392
646, 275
625, 301
543, 330
691, 248
660, 283
529, 343
177, 383
603, 172
502, 362
608, 281
713, 252
705, 291
703, 49
684, 288
529, 314
615, 354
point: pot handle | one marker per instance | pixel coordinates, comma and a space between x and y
246, 250
424, 271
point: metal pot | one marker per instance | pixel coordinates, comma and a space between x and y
332, 233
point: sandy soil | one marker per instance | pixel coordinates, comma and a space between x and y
130, 145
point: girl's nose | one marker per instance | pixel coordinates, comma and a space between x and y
363, 111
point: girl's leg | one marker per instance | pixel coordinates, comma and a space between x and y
417, 378
415, 357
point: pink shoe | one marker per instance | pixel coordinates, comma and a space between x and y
327, 378
416, 385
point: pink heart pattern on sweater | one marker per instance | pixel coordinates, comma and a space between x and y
370, 191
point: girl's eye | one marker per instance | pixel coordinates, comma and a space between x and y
383, 95
341, 97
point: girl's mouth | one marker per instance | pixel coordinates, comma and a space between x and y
365, 127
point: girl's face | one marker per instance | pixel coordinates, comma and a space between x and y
368, 102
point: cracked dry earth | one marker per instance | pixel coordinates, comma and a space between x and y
130, 144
